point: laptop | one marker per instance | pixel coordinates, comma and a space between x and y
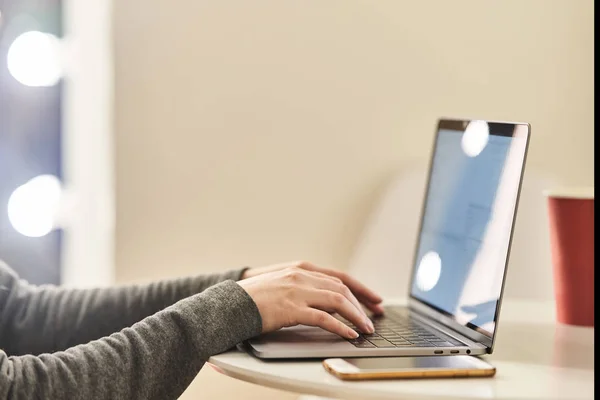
460, 261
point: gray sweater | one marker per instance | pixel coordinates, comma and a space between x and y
136, 342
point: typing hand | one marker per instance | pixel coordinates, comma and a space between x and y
364, 295
298, 295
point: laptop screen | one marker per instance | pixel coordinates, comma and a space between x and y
467, 220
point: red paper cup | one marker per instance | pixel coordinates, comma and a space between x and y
571, 218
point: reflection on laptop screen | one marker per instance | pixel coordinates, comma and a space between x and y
467, 221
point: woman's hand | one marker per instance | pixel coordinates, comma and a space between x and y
364, 295
293, 295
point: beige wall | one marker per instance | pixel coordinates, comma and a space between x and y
251, 132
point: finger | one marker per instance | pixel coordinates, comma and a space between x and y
336, 285
311, 279
313, 317
331, 301
375, 308
359, 289
357, 299
368, 297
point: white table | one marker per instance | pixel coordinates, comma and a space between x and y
535, 359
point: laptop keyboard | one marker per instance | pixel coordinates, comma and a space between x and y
397, 329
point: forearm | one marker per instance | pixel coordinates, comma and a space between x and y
46, 319
156, 358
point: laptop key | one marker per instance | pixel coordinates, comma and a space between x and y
382, 343
377, 340
364, 345
371, 335
394, 337
398, 340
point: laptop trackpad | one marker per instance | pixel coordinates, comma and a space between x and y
299, 334
299, 342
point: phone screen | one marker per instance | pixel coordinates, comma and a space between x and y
417, 363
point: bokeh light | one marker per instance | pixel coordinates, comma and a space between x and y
34, 59
475, 138
34, 206
430, 269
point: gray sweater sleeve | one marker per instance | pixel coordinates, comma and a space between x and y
45, 319
156, 358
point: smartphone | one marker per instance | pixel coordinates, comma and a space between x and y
408, 367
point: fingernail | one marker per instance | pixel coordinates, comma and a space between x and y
370, 327
352, 333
